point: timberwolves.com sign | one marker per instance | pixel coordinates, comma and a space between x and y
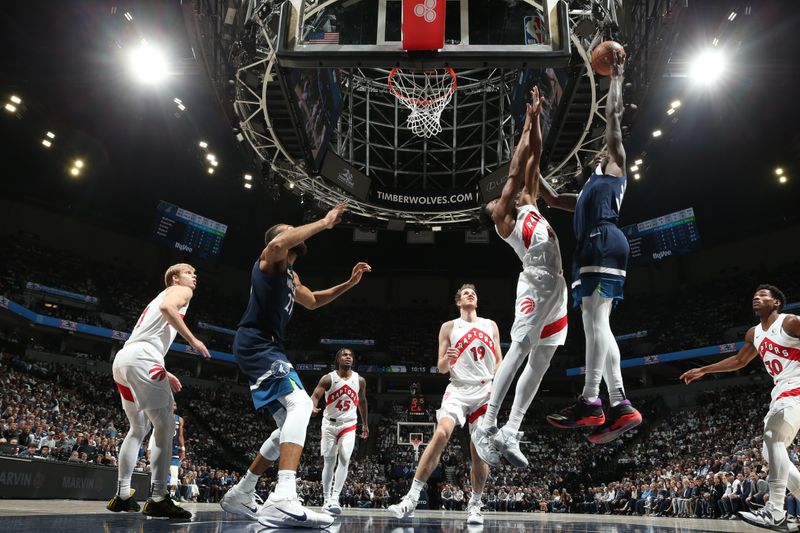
451, 200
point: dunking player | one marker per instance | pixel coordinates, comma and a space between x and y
343, 389
540, 323
777, 339
146, 389
469, 348
178, 451
274, 384
599, 264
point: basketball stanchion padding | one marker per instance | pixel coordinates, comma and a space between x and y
423, 24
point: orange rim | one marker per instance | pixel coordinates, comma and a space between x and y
417, 101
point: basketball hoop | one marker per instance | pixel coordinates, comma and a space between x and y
415, 442
426, 93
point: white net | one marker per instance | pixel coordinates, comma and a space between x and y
426, 93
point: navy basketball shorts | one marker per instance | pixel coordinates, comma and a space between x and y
600, 264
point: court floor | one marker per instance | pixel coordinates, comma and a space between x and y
36, 516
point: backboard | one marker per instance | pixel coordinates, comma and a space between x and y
478, 34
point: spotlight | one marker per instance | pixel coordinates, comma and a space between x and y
715, 42
11, 108
47, 143
436, 228
248, 177
214, 162
182, 107
708, 67
670, 111
177, 100
203, 144
783, 179
779, 171
78, 163
638, 162
634, 168
210, 170
657, 133
248, 185
74, 171
637, 176
128, 16
211, 157
675, 104
148, 64
51, 135
732, 16
291, 185
15, 99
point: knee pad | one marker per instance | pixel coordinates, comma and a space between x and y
298, 408
271, 449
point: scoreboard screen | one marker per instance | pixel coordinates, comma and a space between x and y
662, 237
416, 406
188, 232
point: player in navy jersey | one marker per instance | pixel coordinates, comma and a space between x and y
274, 384
598, 275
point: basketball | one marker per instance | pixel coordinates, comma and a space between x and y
603, 56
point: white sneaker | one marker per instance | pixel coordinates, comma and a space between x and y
474, 514
767, 517
483, 438
404, 509
243, 503
506, 442
289, 512
332, 507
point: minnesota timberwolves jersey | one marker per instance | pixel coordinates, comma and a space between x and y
599, 203
270, 306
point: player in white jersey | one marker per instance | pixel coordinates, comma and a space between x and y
146, 390
540, 311
777, 339
344, 391
469, 349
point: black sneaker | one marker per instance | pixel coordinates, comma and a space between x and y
166, 508
620, 419
118, 505
579, 414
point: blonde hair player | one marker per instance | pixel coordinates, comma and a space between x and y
345, 392
469, 349
146, 389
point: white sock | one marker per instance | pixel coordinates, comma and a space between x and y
612, 371
596, 310
416, 488
476, 497
503, 378
328, 468
163, 427
129, 451
124, 490
249, 481
286, 486
528, 383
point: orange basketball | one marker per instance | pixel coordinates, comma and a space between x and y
603, 56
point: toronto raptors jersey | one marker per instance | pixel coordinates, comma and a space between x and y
341, 399
474, 342
153, 328
781, 355
534, 240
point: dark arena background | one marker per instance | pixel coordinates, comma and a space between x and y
140, 134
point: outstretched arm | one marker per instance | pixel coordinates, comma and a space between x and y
314, 299
730, 364
614, 109
531, 183
278, 248
565, 201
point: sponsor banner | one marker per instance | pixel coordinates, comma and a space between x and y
345, 176
348, 342
444, 200
22, 478
492, 185
61, 292
630, 336
314, 367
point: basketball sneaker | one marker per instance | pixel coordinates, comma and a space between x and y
289, 512
620, 419
237, 501
128, 505
404, 509
166, 508
506, 442
474, 514
332, 507
483, 438
768, 517
579, 414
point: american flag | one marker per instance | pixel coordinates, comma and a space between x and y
328, 37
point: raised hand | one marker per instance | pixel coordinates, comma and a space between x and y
358, 271
691, 375
618, 68
334, 216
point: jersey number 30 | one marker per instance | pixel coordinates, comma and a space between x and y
774, 367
